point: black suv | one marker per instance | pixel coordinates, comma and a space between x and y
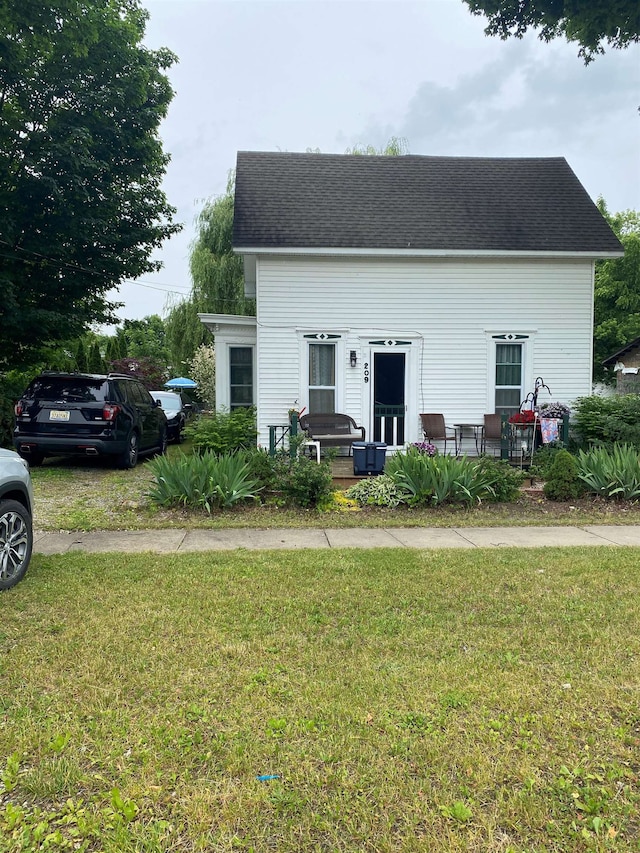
90, 414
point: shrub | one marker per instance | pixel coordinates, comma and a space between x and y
202, 480
224, 432
543, 459
563, 483
608, 420
12, 385
376, 491
505, 479
302, 481
202, 368
611, 472
439, 479
263, 467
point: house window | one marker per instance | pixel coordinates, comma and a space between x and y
240, 377
508, 378
322, 377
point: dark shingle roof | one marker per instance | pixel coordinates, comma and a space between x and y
329, 201
612, 359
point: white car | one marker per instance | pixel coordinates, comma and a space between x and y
16, 507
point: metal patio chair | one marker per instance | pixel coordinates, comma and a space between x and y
435, 429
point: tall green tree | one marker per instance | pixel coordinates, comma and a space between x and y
185, 333
590, 23
217, 279
617, 290
216, 272
147, 337
81, 165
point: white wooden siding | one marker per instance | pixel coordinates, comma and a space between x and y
447, 308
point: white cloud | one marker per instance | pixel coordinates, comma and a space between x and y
306, 74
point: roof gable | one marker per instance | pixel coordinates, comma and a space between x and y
416, 203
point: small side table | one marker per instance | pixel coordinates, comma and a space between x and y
309, 442
461, 429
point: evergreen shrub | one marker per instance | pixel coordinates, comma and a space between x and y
563, 482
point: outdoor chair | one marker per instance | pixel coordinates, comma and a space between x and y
435, 429
492, 431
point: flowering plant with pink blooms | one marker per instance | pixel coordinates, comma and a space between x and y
425, 447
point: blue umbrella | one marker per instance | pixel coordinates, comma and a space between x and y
181, 382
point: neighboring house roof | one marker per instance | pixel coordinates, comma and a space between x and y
613, 359
414, 204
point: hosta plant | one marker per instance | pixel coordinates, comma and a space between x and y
203, 481
612, 472
377, 491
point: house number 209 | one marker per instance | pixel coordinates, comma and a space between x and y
366, 371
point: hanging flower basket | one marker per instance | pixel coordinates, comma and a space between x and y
525, 417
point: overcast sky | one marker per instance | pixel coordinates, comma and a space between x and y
287, 76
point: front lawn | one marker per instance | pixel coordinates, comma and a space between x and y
394, 701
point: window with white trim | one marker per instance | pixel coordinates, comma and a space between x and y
322, 377
508, 377
240, 377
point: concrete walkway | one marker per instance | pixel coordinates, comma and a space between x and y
172, 541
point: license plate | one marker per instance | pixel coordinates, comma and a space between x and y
57, 415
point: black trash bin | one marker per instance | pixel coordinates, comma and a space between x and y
369, 457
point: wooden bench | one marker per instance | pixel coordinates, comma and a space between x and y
332, 429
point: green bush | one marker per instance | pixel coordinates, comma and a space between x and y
504, 478
12, 385
263, 467
543, 459
611, 472
301, 481
607, 420
376, 491
203, 480
223, 432
563, 482
439, 479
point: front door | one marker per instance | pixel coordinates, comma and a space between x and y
389, 407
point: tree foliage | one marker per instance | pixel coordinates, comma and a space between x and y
152, 375
591, 23
617, 290
202, 370
81, 163
217, 279
146, 337
395, 147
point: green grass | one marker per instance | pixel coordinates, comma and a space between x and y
407, 701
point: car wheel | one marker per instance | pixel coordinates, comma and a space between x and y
16, 542
164, 440
130, 456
